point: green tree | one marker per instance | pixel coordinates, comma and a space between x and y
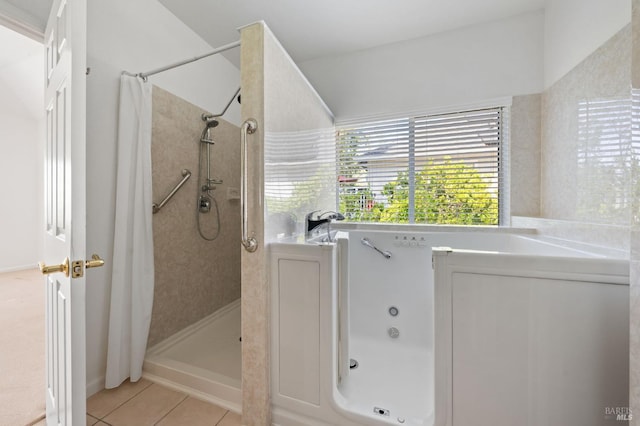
347, 143
358, 204
445, 193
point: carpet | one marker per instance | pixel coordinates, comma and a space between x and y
22, 347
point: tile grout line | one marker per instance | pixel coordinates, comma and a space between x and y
222, 418
93, 417
170, 411
124, 402
40, 417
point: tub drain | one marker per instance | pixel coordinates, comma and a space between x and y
353, 364
394, 333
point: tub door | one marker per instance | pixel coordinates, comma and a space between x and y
531, 340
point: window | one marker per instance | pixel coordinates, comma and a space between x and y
432, 169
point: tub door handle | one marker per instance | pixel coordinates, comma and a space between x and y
249, 242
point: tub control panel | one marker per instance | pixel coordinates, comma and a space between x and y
404, 240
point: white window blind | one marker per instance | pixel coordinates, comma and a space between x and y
299, 177
442, 169
606, 159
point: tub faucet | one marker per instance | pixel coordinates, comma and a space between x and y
311, 223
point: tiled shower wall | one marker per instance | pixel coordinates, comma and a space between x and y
586, 138
586, 190
287, 110
193, 277
525, 155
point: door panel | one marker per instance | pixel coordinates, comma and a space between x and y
64, 236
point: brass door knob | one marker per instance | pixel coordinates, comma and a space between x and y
50, 269
78, 266
95, 262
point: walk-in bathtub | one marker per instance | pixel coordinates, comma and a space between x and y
355, 326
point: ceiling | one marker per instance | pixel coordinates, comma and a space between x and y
310, 30
32, 13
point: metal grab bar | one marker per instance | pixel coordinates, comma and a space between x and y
249, 242
186, 175
367, 242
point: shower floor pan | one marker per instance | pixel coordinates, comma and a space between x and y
203, 360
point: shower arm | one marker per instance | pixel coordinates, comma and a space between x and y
207, 117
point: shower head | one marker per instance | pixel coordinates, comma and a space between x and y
206, 136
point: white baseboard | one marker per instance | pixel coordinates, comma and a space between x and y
95, 386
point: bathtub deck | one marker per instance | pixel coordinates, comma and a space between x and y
398, 378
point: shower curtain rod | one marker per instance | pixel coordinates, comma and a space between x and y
144, 75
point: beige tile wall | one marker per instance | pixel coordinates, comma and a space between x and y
572, 189
525, 155
256, 409
193, 277
576, 192
278, 96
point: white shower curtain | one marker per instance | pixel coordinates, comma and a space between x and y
132, 276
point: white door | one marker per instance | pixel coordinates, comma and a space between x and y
65, 103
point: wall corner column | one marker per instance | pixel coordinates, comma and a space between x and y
256, 405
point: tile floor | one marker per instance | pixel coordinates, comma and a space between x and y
147, 403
